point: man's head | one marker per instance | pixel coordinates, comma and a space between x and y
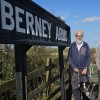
79, 36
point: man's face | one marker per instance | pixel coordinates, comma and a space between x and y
79, 37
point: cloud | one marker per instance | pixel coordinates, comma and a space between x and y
91, 19
76, 16
63, 18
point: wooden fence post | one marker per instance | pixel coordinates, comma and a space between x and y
48, 75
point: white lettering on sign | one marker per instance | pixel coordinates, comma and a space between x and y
19, 19
38, 27
22, 21
29, 23
61, 34
49, 28
5, 15
44, 27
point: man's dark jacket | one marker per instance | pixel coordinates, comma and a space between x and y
79, 59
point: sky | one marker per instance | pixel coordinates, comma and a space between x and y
79, 15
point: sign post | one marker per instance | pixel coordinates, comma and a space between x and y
61, 65
25, 24
21, 70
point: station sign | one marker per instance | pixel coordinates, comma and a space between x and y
24, 22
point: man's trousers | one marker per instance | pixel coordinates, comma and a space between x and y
76, 79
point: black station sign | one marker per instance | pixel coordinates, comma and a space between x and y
27, 23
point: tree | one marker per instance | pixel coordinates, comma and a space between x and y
36, 57
7, 64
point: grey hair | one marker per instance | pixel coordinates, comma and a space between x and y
79, 31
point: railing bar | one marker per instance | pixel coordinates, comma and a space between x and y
37, 91
54, 93
7, 85
39, 71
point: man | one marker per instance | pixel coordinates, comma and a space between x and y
98, 61
98, 66
79, 59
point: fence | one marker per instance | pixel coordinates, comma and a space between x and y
45, 86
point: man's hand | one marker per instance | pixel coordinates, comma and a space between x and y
84, 72
76, 70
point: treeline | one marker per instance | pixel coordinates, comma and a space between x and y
36, 58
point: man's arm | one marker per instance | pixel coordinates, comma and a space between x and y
70, 58
71, 62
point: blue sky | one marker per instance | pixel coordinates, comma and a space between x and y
79, 15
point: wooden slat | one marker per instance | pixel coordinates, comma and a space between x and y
12, 83
8, 85
66, 82
40, 71
38, 90
55, 78
54, 93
